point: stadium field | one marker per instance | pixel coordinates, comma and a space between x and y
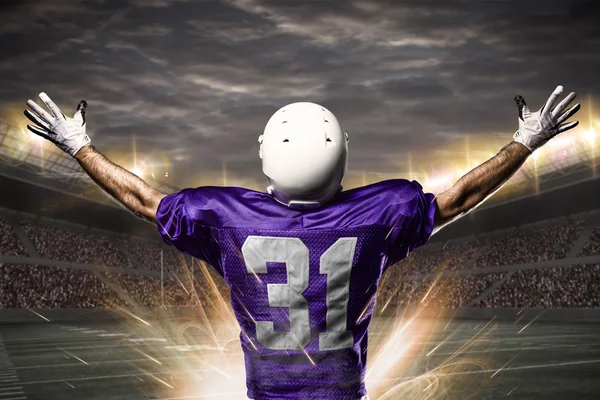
111, 360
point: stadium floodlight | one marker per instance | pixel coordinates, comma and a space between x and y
137, 171
25, 152
565, 154
438, 183
589, 136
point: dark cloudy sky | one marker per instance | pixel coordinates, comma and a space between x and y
195, 81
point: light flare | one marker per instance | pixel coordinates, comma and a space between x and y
202, 353
532, 321
38, 314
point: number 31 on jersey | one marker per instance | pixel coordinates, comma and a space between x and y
336, 263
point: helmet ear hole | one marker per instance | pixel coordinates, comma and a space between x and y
286, 140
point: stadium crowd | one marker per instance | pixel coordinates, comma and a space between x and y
150, 256
452, 292
512, 247
34, 286
569, 287
146, 291
9, 243
451, 257
56, 243
414, 281
532, 245
592, 246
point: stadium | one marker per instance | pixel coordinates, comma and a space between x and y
96, 306
502, 303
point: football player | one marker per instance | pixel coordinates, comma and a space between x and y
304, 259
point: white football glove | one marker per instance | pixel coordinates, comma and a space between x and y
535, 129
67, 133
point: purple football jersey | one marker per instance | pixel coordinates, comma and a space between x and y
303, 282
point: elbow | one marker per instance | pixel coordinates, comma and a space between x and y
451, 203
145, 205
450, 207
445, 216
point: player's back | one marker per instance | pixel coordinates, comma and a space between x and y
303, 283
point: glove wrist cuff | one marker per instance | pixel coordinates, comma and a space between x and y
519, 139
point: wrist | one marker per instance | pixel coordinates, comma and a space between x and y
83, 152
521, 147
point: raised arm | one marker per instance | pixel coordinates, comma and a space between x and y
535, 129
480, 183
70, 136
127, 188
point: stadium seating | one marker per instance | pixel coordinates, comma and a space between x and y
537, 244
425, 277
33, 286
592, 247
9, 243
149, 255
569, 287
57, 243
453, 292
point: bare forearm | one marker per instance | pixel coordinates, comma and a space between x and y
480, 183
125, 187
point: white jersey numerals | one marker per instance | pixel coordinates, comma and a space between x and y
291, 251
336, 263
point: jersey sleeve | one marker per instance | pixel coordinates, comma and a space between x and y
186, 220
413, 226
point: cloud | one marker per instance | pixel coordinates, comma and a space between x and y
31, 17
155, 30
195, 82
228, 31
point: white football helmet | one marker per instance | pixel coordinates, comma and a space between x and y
304, 153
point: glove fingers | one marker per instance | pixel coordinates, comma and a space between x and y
568, 114
80, 114
82, 106
521, 105
567, 126
40, 111
552, 99
40, 132
51, 106
563, 104
33, 118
